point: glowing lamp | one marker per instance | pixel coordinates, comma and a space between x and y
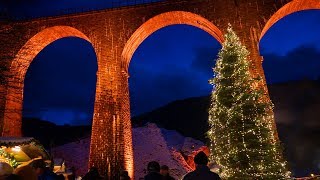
16, 149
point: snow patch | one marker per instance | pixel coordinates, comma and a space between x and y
150, 143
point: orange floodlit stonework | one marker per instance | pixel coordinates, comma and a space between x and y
115, 34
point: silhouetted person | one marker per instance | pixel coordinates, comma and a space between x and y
124, 175
153, 171
73, 175
42, 171
202, 171
60, 177
12, 177
164, 171
93, 174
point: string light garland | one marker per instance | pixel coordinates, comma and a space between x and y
241, 125
8, 158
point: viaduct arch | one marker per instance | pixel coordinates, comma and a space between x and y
290, 8
18, 70
161, 21
115, 34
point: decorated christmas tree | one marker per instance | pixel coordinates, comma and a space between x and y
243, 142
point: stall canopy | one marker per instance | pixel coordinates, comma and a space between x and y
21, 150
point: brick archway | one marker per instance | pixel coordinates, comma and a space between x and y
161, 21
19, 66
144, 31
290, 8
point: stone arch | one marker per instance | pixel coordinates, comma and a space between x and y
19, 66
290, 8
161, 21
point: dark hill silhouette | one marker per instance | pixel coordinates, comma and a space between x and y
296, 103
189, 117
50, 134
297, 112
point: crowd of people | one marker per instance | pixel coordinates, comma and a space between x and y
38, 170
157, 172
202, 171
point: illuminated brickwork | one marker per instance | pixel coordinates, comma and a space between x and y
292, 7
115, 35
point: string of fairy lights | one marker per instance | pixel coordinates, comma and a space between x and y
243, 142
8, 158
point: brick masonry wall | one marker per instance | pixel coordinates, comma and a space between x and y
115, 35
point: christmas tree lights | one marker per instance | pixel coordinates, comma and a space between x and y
242, 136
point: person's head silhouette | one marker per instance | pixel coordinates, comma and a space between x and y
153, 166
201, 159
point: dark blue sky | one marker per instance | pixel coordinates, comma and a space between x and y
38, 8
291, 48
173, 63
60, 82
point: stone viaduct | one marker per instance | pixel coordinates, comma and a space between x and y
115, 34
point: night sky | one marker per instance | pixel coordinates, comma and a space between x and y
173, 63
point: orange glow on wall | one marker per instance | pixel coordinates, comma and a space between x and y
18, 69
163, 20
115, 35
290, 8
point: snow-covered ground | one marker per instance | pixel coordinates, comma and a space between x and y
150, 143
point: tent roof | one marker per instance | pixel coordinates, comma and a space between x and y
15, 139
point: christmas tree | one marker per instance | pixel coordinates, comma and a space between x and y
243, 142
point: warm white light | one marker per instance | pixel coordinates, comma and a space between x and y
16, 149
241, 120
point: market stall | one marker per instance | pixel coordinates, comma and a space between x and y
19, 151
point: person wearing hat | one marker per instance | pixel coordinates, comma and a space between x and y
153, 171
202, 170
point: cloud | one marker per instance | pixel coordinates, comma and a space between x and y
299, 63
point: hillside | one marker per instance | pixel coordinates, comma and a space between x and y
188, 117
149, 143
296, 110
297, 106
50, 134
